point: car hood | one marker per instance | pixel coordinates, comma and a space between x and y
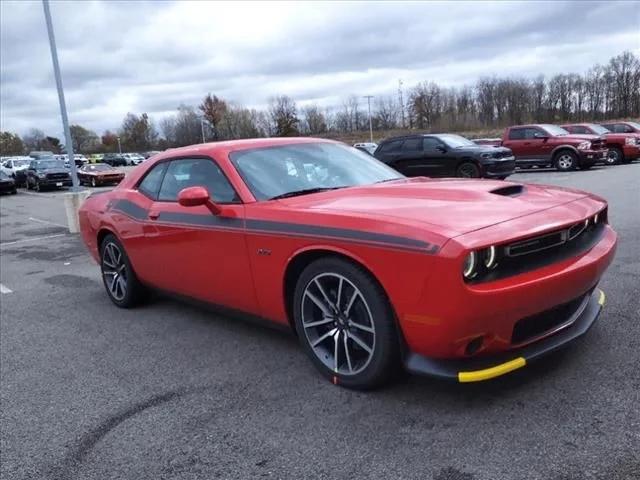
450, 207
578, 137
481, 149
622, 135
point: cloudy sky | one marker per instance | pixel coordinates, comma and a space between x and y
118, 57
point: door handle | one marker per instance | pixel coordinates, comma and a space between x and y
153, 215
527, 143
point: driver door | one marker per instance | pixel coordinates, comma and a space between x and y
191, 251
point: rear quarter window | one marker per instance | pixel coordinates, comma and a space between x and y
150, 184
391, 147
516, 134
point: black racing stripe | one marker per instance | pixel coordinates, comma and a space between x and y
200, 220
131, 209
320, 231
135, 211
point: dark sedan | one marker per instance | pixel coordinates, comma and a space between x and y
445, 155
7, 184
99, 174
114, 159
47, 173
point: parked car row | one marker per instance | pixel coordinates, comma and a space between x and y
569, 147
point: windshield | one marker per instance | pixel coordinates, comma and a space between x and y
21, 163
276, 171
99, 168
456, 141
554, 130
46, 164
598, 129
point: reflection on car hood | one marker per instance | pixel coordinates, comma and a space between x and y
456, 206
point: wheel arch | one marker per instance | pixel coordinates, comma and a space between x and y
302, 258
556, 151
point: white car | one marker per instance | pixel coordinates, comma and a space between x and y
16, 167
133, 158
366, 147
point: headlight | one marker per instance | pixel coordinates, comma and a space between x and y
490, 257
42, 175
470, 267
584, 146
632, 141
486, 155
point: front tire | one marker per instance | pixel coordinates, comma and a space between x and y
468, 170
565, 161
615, 156
345, 324
122, 285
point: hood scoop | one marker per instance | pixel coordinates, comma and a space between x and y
509, 191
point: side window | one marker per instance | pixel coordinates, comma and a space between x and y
531, 133
32, 166
412, 145
150, 184
429, 144
626, 128
516, 134
197, 172
391, 147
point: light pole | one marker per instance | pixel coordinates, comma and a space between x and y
119, 146
369, 97
63, 106
202, 129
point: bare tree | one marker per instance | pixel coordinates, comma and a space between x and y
386, 113
213, 110
314, 121
284, 115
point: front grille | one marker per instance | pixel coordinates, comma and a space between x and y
503, 154
529, 328
598, 144
542, 250
536, 244
57, 176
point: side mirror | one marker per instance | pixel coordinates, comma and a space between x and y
196, 196
441, 149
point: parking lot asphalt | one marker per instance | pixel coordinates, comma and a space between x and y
173, 391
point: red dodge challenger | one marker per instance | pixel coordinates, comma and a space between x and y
459, 279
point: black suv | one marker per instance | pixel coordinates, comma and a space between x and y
114, 159
445, 155
47, 172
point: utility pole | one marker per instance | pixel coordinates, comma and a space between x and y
202, 129
119, 146
63, 106
401, 101
369, 97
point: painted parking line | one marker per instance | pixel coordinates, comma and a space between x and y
35, 239
4, 289
47, 222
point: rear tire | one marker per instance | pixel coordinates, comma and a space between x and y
120, 281
468, 170
565, 161
345, 324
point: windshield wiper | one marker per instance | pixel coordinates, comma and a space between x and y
304, 191
389, 180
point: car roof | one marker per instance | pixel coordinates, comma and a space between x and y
238, 145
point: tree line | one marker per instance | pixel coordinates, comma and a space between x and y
604, 91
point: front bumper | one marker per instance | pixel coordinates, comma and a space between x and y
7, 187
591, 157
484, 368
499, 168
55, 182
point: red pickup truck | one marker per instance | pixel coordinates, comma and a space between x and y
550, 145
623, 147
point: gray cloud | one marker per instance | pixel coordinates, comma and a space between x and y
138, 56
